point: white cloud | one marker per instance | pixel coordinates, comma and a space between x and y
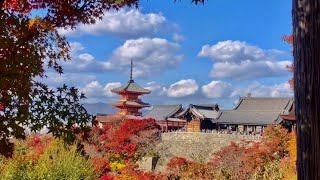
71, 79
93, 90
81, 61
249, 69
86, 57
150, 56
109, 87
233, 51
96, 92
75, 48
155, 88
217, 89
239, 60
123, 24
177, 37
183, 88
260, 90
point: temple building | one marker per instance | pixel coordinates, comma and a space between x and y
289, 118
165, 117
200, 117
129, 103
253, 114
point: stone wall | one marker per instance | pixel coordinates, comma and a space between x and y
194, 145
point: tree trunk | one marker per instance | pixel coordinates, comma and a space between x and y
306, 51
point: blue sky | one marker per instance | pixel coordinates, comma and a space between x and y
184, 53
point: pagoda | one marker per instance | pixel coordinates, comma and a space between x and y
129, 103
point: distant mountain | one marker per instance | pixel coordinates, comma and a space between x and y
102, 108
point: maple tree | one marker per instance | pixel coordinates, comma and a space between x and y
126, 140
30, 44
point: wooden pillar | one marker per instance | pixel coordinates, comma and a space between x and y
167, 126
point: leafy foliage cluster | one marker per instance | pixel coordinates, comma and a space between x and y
46, 158
289, 40
124, 141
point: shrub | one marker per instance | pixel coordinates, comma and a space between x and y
63, 162
57, 161
128, 140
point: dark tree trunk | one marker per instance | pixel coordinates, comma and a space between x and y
306, 51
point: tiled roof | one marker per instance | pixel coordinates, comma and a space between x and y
248, 117
203, 111
162, 112
130, 103
262, 104
291, 116
131, 86
256, 111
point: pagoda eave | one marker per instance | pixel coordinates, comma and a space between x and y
130, 92
130, 104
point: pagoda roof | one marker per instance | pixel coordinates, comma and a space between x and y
130, 104
132, 87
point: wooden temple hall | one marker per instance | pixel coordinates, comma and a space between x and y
251, 115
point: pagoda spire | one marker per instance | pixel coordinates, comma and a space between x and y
131, 69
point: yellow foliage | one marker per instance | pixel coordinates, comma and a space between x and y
115, 166
34, 21
293, 146
290, 163
38, 22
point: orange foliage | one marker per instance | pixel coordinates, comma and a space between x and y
289, 40
101, 164
290, 163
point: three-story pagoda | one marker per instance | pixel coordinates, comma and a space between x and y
129, 103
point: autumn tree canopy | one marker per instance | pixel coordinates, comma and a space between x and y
30, 45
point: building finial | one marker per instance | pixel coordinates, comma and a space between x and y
131, 69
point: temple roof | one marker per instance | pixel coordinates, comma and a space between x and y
264, 104
202, 111
256, 111
248, 118
130, 104
132, 87
163, 112
291, 116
